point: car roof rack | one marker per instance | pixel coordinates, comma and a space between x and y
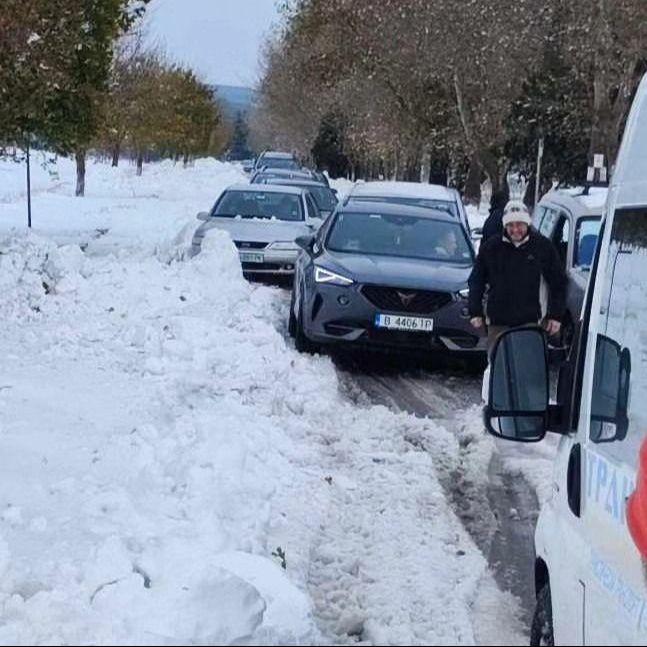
596, 175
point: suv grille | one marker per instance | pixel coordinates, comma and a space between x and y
244, 244
403, 300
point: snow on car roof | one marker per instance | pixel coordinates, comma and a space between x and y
266, 188
403, 189
277, 155
594, 201
385, 208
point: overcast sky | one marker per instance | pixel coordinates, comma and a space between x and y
220, 39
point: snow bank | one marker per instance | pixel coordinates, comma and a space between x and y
174, 472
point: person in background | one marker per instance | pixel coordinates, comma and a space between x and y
447, 245
493, 226
511, 268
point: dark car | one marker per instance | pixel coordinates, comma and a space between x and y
385, 275
325, 197
276, 159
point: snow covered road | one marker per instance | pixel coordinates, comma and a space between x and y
174, 472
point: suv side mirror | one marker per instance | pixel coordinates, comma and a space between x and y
305, 242
203, 215
611, 379
518, 407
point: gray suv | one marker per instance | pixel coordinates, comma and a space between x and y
387, 276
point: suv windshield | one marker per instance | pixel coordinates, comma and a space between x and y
403, 236
259, 204
427, 203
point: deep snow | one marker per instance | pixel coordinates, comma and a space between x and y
174, 472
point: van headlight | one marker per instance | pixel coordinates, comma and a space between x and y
326, 276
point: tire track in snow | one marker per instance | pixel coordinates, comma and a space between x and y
499, 509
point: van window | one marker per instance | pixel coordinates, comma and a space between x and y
548, 222
586, 238
619, 398
561, 235
537, 216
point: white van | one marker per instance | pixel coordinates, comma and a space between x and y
591, 537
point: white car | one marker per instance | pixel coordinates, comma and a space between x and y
263, 222
591, 536
571, 219
415, 194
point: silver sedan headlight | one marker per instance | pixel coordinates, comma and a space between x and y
284, 246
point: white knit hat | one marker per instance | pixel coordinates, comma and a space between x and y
516, 211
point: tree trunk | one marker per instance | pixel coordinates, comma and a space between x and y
80, 172
472, 191
140, 163
185, 160
116, 150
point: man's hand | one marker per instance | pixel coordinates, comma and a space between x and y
552, 327
477, 322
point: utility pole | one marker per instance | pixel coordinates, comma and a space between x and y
540, 154
28, 186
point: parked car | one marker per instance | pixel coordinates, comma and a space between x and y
325, 197
263, 222
590, 570
276, 159
415, 194
571, 218
261, 176
248, 165
386, 276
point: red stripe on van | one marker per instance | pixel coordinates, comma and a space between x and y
637, 505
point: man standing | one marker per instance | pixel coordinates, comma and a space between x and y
512, 267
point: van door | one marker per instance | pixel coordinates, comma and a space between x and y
616, 581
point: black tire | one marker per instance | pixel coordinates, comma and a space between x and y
301, 342
541, 631
292, 320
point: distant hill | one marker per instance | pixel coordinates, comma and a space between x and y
234, 99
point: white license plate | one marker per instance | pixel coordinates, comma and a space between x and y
252, 257
400, 322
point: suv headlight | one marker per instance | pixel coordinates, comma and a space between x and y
284, 246
326, 276
464, 293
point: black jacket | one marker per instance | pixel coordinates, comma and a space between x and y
493, 225
513, 275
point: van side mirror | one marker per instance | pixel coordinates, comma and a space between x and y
518, 403
610, 397
476, 233
203, 215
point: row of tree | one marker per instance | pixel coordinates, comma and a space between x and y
452, 91
75, 77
